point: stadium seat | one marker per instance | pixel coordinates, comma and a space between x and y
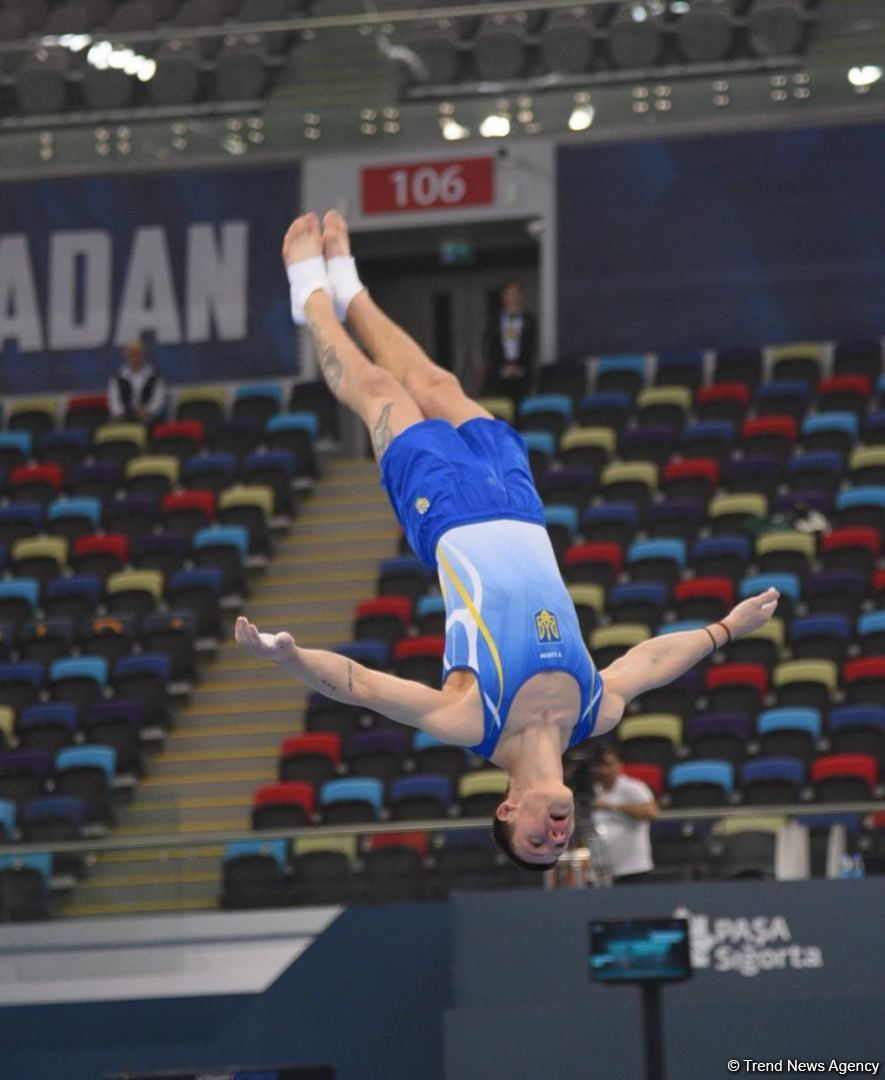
186, 512
258, 402
433, 756
667, 406
73, 518
787, 552
762, 646
181, 439
769, 436
723, 403
74, 597
862, 507
844, 393
749, 847
656, 560
98, 480
844, 777
8, 815
209, 473
47, 728
734, 514
351, 800
570, 487
791, 732
45, 640
253, 874
16, 448
198, 591
117, 443
701, 783
145, 677
708, 439
857, 729
820, 637
723, 556
205, 404
224, 547
152, 476
55, 819
20, 684
783, 397
23, 774
652, 443
835, 592
117, 723
419, 658
394, 867
18, 601
39, 484
385, 618
650, 775
561, 523
630, 481
679, 519
866, 466
19, 520
650, 738
87, 772
312, 758
165, 552
86, 412
237, 437
736, 688
100, 556
78, 680
690, 478
833, 432
130, 517
108, 636
816, 470
624, 374
610, 409
871, 633
799, 360
274, 469
172, 633
7, 726
608, 643
24, 887
706, 598
420, 797
864, 680
718, 736
324, 870
852, 548
788, 585
589, 601
480, 792
36, 415
403, 576
771, 780
134, 592
380, 754
587, 447
545, 412
297, 432
252, 507
637, 602
611, 522
287, 805
683, 367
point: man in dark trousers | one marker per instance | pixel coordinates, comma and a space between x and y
510, 344
137, 391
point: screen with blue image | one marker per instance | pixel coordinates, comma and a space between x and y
639, 950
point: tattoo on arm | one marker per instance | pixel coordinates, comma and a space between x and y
329, 360
349, 677
330, 685
381, 433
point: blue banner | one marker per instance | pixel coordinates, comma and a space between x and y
189, 262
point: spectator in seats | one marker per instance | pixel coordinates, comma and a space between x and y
137, 391
509, 346
519, 686
622, 810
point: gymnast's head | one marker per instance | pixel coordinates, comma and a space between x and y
533, 826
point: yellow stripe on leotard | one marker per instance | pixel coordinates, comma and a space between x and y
483, 629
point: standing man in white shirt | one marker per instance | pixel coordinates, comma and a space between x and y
509, 346
622, 811
137, 391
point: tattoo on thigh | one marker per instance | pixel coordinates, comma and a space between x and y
381, 433
349, 677
330, 361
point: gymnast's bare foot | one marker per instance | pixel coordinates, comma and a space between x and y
336, 239
303, 239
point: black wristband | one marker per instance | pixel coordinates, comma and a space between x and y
709, 634
725, 628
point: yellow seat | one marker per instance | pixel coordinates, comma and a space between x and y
216, 394
664, 395
592, 596
627, 472
247, 495
748, 503
483, 782
41, 547
805, 671
347, 845
500, 407
772, 631
154, 465
652, 726
628, 634
770, 823
789, 540
814, 350
128, 580
48, 405
595, 437
121, 432
7, 723
865, 457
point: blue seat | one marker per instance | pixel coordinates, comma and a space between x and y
637, 592
680, 625
220, 464
28, 515
8, 814
429, 605
422, 786
786, 584
273, 391
874, 426
278, 850
717, 773
867, 495
27, 589
851, 822
830, 462
782, 392
544, 403
372, 653
83, 506
39, 862
236, 536
677, 364
144, 664
542, 441
85, 585
80, 667
423, 740
283, 460
22, 671
95, 757
841, 590
54, 806
564, 516
707, 431
837, 626
353, 789
715, 546
294, 421
612, 406
613, 513
856, 716
71, 438
871, 623
790, 719
769, 770
17, 441
59, 713
843, 422
662, 548
632, 363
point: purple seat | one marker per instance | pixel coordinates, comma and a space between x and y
23, 774
676, 517
570, 487
652, 442
755, 473
836, 592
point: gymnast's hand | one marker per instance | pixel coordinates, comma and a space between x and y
276, 647
752, 613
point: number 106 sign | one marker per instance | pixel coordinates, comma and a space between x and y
428, 185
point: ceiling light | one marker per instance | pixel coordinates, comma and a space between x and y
495, 126
864, 76
581, 118
452, 130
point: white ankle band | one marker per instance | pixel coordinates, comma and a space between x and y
305, 277
345, 282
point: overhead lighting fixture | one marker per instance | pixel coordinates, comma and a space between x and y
452, 130
581, 117
864, 76
495, 126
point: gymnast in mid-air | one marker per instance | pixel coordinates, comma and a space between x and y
519, 686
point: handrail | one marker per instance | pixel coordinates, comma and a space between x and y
168, 841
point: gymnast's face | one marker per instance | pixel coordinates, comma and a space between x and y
542, 822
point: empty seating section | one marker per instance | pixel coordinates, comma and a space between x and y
121, 547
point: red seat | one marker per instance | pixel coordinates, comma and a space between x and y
693, 468
88, 401
180, 429
191, 500
878, 820
852, 537
417, 840
736, 392
770, 425
428, 645
648, 774
398, 607
846, 384
36, 474
313, 742
860, 765
110, 544
737, 675
863, 668
720, 587
613, 554
288, 792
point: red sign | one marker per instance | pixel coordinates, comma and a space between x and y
428, 185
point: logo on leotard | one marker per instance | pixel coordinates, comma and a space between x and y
422, 505
546, 626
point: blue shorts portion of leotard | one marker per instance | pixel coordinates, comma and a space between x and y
438, 476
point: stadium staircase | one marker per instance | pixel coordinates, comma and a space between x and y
226, 740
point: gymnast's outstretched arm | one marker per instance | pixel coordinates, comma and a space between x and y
662, 659
345, 680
